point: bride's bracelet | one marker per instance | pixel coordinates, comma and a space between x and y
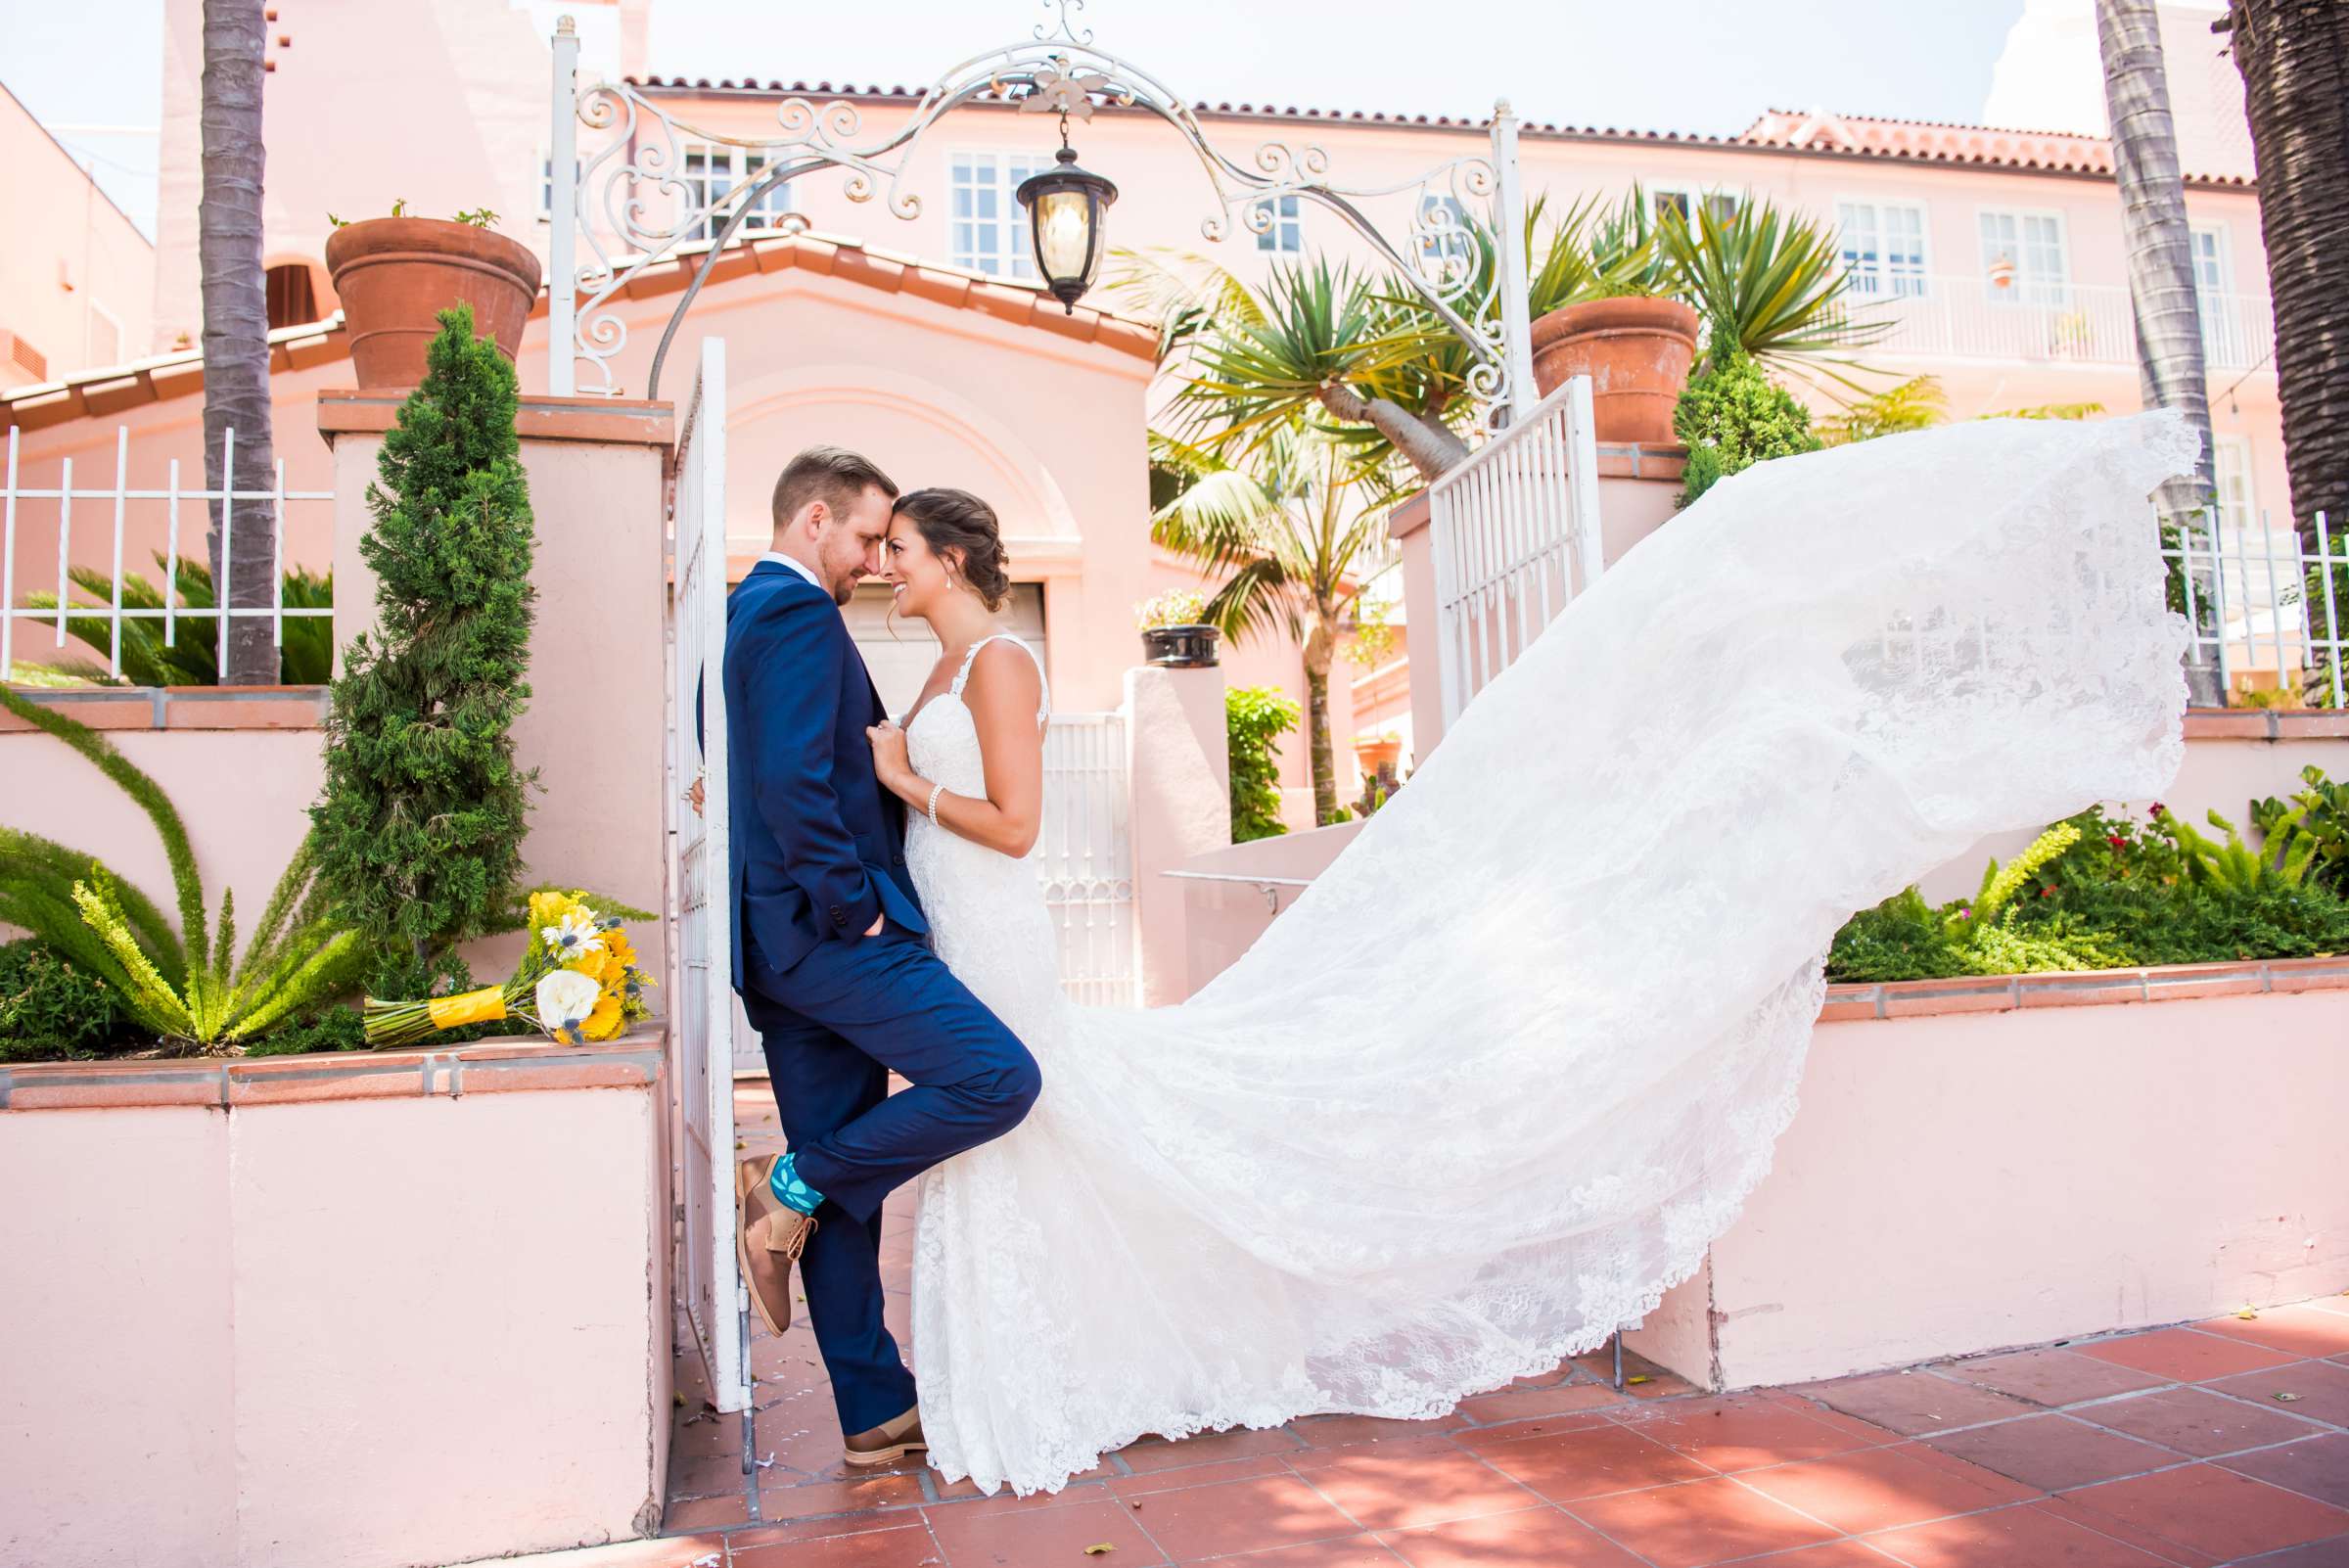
936, 790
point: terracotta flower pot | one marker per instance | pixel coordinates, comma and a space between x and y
394, 275
1374, 752
1638, 352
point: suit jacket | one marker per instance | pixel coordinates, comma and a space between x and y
818, 846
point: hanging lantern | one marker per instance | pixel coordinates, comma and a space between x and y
1065, 209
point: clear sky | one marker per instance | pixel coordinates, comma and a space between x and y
1663, 64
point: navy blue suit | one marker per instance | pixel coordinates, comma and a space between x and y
816, 854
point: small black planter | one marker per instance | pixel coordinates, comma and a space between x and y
1180, 647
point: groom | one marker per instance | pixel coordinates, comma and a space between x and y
830, 953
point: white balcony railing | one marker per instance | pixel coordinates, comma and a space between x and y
2081, 324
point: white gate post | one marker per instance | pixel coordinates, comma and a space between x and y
563, 198
1516, 318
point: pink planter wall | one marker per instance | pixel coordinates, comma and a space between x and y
302, 1313
1971, 1180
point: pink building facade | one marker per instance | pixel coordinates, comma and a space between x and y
1995, 256
76, 277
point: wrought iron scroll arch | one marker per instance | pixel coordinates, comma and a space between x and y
1060, 70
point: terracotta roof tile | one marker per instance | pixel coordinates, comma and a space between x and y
2088, 155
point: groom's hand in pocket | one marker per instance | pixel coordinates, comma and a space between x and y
879, 921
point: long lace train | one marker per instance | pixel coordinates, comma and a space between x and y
1511, 1065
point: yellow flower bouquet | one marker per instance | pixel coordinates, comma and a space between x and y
578, 981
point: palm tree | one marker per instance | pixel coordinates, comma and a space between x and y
2161, 260
1289, 522
235, 326
2294, 57
1768, 285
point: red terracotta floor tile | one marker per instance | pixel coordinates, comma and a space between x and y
2183, 1354
1399, 1492
1354, 1551
1878, 1489
2195, 1421
707, 1475
1339, 1431
1592, 1463
1915, 1402
2052, 1377
2214, 1511
1525, 1403
2305, 1329
1699, 1523
1304, 1461
665, 1552
1485, 1439
1131, 1487
1532, 1537
2321, 1390
1834, 1555
689, 1514
2011, 1538
1157, 1453
2333, 1553
1024, 1540
895, 1490
1745, 1434
1075, 1495
2053, 1452
2318, 1467
903, 1546
1242, 1516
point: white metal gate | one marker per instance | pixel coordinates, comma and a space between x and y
704, 1024
1084, 857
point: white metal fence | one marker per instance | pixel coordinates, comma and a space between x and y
2267, 608
129, 524
1084, 857
2084, 324
1515, 535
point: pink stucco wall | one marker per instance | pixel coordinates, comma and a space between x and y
76, 275
357, 1341
1967, 1181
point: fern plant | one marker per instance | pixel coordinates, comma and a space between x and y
2283, 861
187, 985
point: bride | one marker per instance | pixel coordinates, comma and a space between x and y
1519, 1055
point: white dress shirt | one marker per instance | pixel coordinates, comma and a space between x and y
796, 564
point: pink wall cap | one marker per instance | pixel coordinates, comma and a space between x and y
1998, 994
635, 1060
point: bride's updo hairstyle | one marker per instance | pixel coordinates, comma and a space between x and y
959, 521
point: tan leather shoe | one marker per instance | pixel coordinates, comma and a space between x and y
886, 1443
767, 1239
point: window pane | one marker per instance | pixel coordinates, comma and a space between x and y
1858, 223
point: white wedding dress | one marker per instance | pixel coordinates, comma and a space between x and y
1518, 1056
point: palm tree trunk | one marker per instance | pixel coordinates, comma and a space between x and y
2161, 260
2294, 57
236, 329
1319, 749
1429, 448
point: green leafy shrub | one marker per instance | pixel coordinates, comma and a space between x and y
49, 1008
1254, 718
185, 986
2098, 892
1732, 416
420, 825
336, 1029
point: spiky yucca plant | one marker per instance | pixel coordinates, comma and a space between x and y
186, 985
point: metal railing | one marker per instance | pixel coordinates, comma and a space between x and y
126, 512
2266, 609
1515, 537
1962, 317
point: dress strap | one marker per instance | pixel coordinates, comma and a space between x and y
962, 676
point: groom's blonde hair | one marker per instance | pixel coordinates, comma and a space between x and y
832, 475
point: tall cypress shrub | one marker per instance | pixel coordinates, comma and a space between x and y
421, 823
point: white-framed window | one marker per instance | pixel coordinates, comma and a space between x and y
2226, 333
987, 231
2231, 476
104, 333
1679, 198
1883, 246
1286, 235
546, 184
711, 172
2027, 248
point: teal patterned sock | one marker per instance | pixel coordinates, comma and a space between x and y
785, 1183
